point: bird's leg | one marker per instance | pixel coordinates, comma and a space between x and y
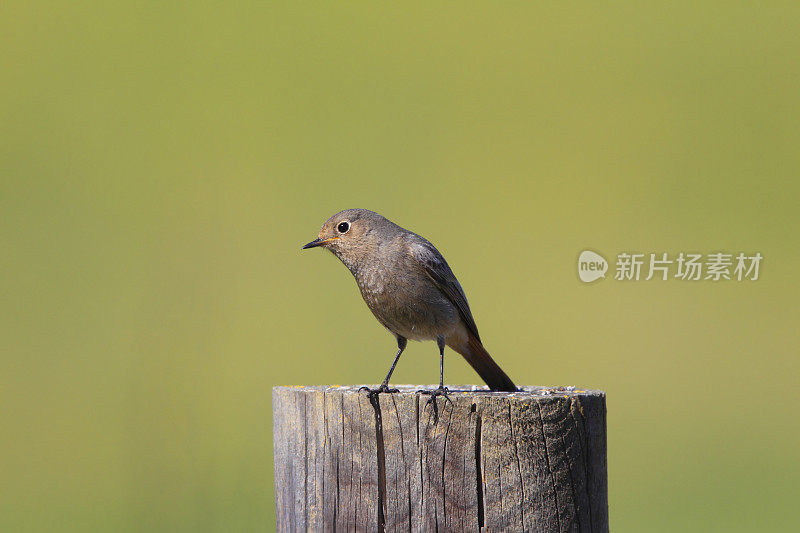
384, 387
440, 342
442, 390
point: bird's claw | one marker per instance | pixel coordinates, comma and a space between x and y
440, 391
371, 393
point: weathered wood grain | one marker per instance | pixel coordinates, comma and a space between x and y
533, 460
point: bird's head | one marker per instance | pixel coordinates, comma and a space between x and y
352, 233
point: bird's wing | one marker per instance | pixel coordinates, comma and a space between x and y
439, 271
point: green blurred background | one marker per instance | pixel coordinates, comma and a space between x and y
162, 163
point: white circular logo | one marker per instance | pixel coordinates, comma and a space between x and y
591, 266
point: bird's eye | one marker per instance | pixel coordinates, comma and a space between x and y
343, 227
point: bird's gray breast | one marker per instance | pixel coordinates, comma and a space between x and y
405, 300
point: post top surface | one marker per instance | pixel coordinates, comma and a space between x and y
527, 391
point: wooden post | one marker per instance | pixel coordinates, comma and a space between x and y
533, 460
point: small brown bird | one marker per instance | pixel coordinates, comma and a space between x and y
410, 289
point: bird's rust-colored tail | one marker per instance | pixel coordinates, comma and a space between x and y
477, 356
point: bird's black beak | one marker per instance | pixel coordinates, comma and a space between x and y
313, 244
319, 242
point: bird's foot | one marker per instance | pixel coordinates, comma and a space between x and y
440, 391
373, 393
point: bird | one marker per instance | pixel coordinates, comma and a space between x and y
411, 290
